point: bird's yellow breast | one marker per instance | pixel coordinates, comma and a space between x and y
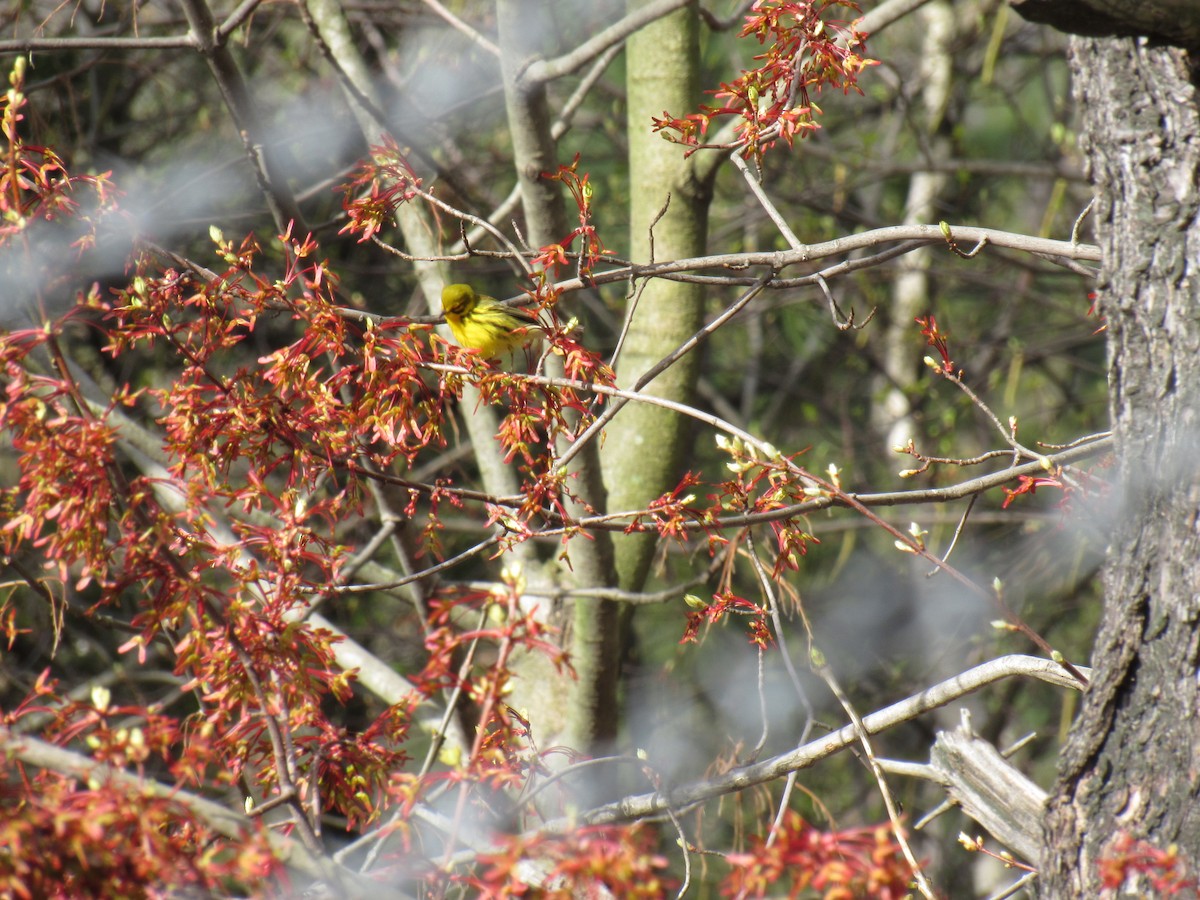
482, 323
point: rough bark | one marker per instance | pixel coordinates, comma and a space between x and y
1132, 762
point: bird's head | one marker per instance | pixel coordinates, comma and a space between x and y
458, 299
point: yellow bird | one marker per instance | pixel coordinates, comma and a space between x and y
482, 323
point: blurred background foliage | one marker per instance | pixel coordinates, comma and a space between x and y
1003, 142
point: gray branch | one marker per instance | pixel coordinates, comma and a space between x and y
643, 805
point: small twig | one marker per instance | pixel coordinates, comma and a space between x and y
927, 461
1086, 439
280, 740
349, 85
249, 124
777, 620
781, 808
889, 801
516, 255
1016, 746
439, 735
516, 227
637, 290
734, 18
809, 712
687, 856
1080, 219
656, 781
761, 685
938, 811
765, 202
1005, 893
424, 573
662, 365
237, 17
958, 251
575, 768
962, 522
956, 379
462, 27
840, 320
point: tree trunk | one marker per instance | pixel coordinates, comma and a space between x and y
644, 445
1132, 763
580, 710
900, 359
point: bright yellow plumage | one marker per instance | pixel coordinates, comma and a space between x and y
480, 322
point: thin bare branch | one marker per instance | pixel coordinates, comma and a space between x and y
33, 45
889, 801
242, 109
941, 694
886, 14
244, 11
906, 237
461, 27
548, 70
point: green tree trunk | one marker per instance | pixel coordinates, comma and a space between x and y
644, 444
